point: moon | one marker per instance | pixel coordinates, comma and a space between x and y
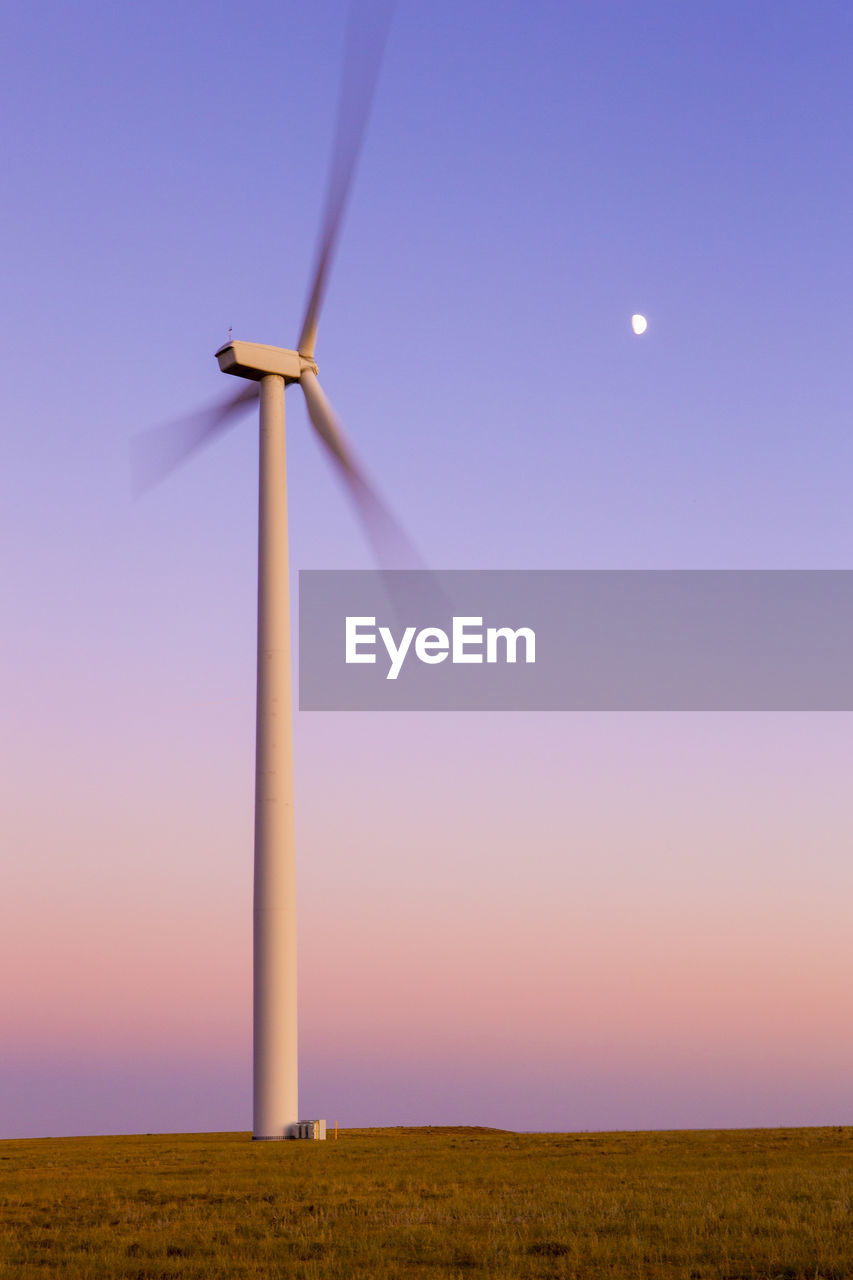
639, 324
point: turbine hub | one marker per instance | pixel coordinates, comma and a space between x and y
254, 361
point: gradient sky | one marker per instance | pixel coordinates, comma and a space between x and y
531, 921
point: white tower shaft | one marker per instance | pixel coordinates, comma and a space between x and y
276, 1108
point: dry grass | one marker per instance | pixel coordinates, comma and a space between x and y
735, 1205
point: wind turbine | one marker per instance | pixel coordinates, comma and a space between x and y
268, 371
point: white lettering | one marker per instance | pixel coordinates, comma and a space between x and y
431, 645
396, 654
354, 640
511, 638
461, 638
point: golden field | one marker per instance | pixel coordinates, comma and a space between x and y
452, 1202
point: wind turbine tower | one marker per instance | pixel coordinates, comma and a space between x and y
275, 1075
268, 371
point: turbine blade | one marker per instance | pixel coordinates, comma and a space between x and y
391, 545
367, 33
157, 452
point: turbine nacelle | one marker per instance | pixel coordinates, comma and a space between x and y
253, 360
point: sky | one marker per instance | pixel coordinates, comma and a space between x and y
530, 920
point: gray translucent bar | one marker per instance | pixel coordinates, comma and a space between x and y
659, 640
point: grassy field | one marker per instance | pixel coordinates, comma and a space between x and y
384, 1203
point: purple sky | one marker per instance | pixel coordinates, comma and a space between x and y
552, 922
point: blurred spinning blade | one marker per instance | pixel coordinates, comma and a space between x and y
391, 545
367, 35
157, 452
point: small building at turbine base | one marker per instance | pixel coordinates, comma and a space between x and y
309, 1129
